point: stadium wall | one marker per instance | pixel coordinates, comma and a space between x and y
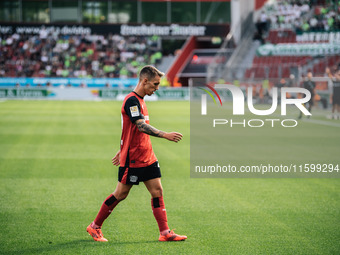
86, 94
74, 82
144, 29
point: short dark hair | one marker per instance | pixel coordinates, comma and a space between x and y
149, 72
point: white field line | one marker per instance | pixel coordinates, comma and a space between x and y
321, 122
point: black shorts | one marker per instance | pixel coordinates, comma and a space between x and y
336, 98
311, 100
127, 175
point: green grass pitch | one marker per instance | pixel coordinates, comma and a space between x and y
55, 171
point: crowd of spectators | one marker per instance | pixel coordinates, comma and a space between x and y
280, 22
323, 18
89, 56
302, 15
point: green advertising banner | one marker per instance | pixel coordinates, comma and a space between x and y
164, 93
23, 93
317, 37
173, 93
295, 49
112, 93
60, 93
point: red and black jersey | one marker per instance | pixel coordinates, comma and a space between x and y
135, 146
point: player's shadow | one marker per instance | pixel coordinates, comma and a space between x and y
62, 248
133, 242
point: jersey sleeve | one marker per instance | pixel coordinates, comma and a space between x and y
132, 109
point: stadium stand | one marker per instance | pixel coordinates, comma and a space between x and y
91, 56
303, 15
294, 22
331, 62
281, 36
115, 56
275, 66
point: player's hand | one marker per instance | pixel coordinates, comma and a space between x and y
116, 159
173, 136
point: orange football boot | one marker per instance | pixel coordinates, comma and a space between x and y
171, 237
96, 234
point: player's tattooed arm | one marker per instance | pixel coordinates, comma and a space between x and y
150, 130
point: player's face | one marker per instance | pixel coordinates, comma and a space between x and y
152, 85
309, 75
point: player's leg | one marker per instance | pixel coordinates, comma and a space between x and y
338, 110
300, 116
310, 105
120, 193
155, 188
334, 106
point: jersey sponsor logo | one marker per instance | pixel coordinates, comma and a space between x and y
146, 117
134, 111
133, 178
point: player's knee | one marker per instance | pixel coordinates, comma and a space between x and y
121, 195
157, 192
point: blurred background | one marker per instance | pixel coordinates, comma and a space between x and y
103, 44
